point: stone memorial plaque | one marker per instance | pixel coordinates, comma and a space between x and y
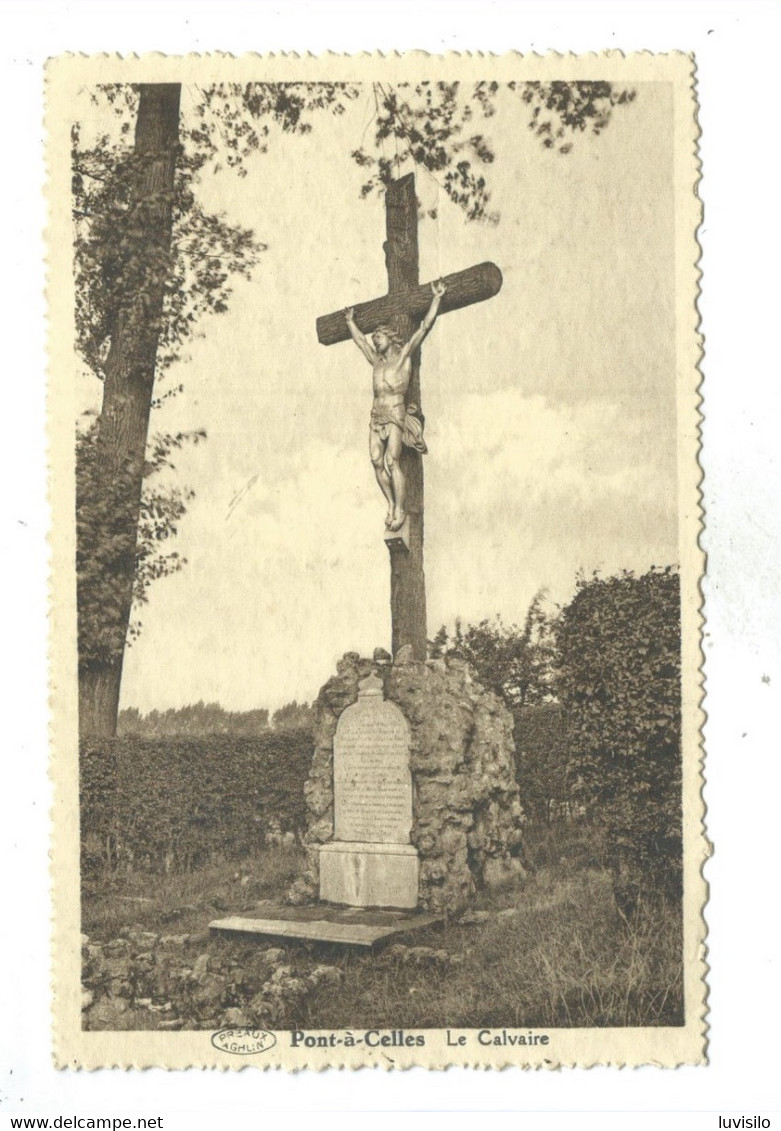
372, 780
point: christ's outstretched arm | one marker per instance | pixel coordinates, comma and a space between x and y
438, 289
361, 341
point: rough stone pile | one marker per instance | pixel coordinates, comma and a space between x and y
467, 825
147, 981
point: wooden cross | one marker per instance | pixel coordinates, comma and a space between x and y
402, 308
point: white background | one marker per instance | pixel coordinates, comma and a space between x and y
737, 48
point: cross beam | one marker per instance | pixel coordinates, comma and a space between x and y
402, 308
475, 284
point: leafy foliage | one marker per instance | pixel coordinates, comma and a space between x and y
231, 122
436, 125
195, 719
198, 719
619, 687
595, 693
561, 108
430, 125
116, 267
118, 263
234, 120
121, 259
513, 662
106, 539
293, 716
541, 746
180, 803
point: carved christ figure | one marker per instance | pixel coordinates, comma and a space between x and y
393, 422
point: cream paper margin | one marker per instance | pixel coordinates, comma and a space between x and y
75, 1048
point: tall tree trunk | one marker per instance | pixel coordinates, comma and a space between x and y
408, 587
130, 374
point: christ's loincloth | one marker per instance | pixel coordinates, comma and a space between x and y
382, 419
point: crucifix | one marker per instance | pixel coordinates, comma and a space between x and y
396, 437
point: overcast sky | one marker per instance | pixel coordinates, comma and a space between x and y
550, 409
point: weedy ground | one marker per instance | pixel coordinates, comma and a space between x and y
182, 902
551, 952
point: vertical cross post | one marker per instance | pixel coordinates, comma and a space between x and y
408, 587
402, 308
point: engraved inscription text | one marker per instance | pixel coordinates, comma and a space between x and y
372, 781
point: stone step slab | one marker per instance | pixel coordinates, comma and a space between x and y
320, 923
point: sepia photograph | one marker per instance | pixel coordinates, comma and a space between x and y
376, 657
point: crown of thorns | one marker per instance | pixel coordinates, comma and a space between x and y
391, 334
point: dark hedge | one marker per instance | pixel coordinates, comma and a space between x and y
620, 690
541, 747
179, 803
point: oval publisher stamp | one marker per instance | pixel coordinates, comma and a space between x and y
243, 1042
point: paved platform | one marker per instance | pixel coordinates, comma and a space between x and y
320, 922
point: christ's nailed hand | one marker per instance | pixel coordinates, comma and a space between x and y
439, 288
349, 312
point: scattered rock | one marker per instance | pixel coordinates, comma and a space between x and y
273, 954
210, 989
416, 955
471, 918
280, 974
113, 967
236, 1018
331, 975
108, 1013
172, 915
143, 963
174, 940
198, 938
302, 891
142, 940
201, 966
116, 948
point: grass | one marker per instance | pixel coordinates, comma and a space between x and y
564, 958
554, 953
181, 903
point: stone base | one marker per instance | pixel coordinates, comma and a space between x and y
467, 815
369, 875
